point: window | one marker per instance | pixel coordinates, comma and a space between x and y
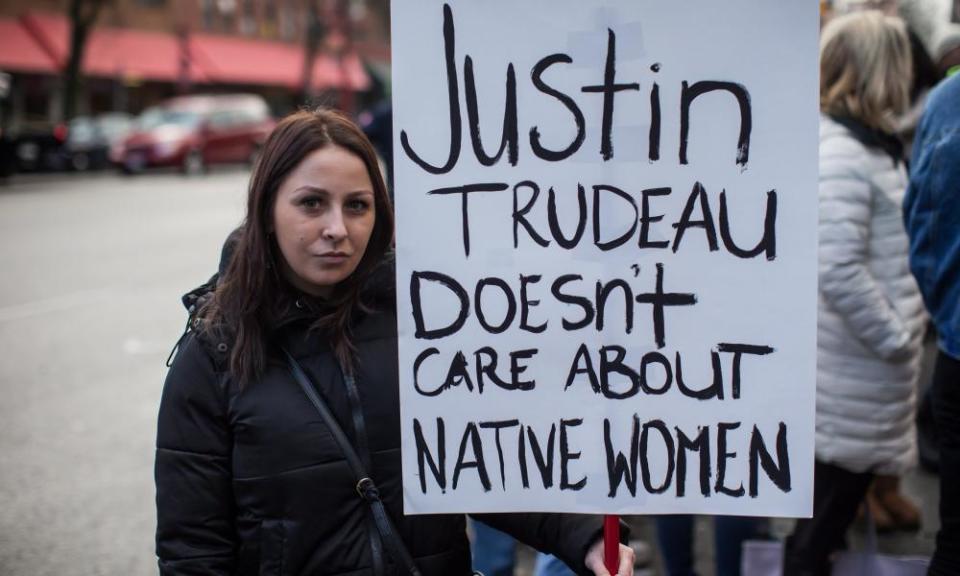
288, 23
207, 14
248, 20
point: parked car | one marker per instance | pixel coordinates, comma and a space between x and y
38, 146
194, 132
89, 140
7, 159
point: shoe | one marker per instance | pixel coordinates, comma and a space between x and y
904, 514
882, 520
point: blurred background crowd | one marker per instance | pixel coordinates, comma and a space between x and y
132, 85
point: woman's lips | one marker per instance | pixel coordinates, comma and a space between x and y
333, 257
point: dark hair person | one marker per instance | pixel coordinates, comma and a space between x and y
250, 478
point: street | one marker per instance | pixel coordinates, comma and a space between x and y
94, 267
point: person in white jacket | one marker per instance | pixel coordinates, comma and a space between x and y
870, 320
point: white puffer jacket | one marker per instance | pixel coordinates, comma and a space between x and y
871, 315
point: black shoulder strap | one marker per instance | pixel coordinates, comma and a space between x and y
365, 486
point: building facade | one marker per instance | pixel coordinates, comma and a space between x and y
142, 51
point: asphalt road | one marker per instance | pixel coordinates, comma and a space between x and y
92, 270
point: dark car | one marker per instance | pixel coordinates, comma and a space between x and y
89, 140
38, 147
194, 132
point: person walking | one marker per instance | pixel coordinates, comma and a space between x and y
285, 388
932, 217
870, 313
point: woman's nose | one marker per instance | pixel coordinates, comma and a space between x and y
334, 227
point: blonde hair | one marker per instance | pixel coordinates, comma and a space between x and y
846, 6
865, 68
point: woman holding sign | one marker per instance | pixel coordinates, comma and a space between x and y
871, 319
278, 448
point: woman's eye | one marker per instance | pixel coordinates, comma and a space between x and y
357, 205
310, 203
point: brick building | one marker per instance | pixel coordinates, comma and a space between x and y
141, 51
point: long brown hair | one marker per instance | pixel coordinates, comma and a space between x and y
245, 300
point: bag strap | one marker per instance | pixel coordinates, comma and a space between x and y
365, 486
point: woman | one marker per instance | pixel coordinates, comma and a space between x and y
249, 478
870, 319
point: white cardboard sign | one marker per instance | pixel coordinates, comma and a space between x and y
606, 269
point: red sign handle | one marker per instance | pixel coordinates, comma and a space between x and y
611, 543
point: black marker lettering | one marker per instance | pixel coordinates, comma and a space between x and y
779, 473
583, 303
646, 219
520, 215
767, 244
478, 305
554, 221
609, 88
659, 300
465, 191
660, 427
526, 304
568, 102
697, 196
508, 140
422, 333
453, 99
437, 465
618, 469
497, 427
700, 445
566, 456
722, 457
691, 93
470, 434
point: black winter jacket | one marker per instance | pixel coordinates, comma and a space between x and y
251, 481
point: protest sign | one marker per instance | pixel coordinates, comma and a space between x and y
606, 254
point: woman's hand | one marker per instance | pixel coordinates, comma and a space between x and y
594, 560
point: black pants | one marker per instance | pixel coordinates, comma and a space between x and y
946, 411
837, 494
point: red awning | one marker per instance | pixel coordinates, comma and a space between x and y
139, 55
114, 52
347, 72
51, 32
230, 60
19, 52
144, 55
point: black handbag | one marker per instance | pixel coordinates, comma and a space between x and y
365, 487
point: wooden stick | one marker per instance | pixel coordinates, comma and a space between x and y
611, 543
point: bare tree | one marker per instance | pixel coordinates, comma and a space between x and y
314, 35
83, 16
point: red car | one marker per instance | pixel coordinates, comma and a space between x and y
194, 132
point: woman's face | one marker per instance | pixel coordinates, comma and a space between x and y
323, 218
